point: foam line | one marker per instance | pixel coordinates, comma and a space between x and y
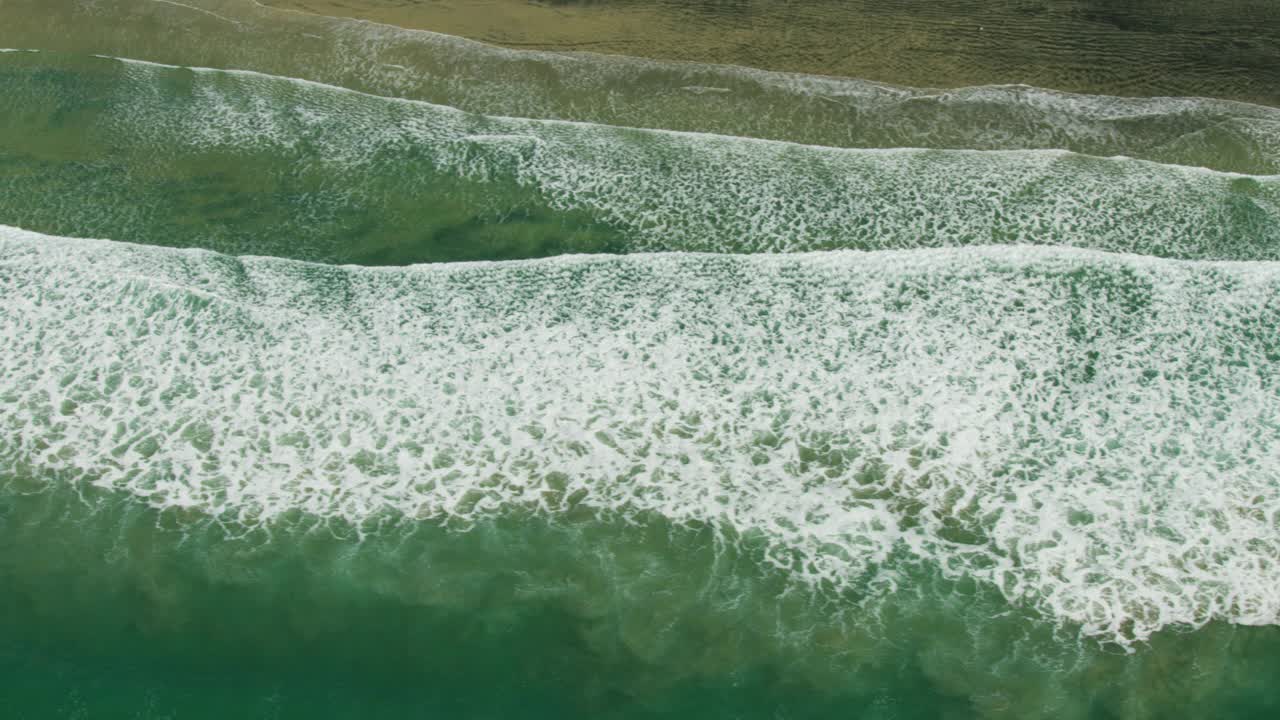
617, 90
327, 163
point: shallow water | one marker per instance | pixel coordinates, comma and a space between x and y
757, 394
1225, 48
630, 91
246, 163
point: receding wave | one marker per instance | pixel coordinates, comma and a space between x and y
615, 90
1095, 436
245, 163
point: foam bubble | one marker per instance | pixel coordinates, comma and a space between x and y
1097, 436
320, 166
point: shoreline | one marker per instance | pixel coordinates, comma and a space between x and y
1071, 50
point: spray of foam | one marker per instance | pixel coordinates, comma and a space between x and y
1098, 436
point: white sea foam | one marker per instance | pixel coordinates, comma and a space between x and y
1096, 435
620, 90
690, 191
1267, 130
193, 8
666, 190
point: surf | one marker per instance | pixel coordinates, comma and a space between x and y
246, 163
623, 91
1093, 435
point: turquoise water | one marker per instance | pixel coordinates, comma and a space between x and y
326, 398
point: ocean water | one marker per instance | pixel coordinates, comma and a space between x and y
350, 371
1224, 48
987, 113
252, 164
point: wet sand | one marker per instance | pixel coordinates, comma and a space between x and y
1224, 48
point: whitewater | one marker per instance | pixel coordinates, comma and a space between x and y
349, 371
1096, 435
246, 163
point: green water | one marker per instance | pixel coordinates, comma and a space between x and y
201, 623
757, 396
249, 164
632, 92
1225, 48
